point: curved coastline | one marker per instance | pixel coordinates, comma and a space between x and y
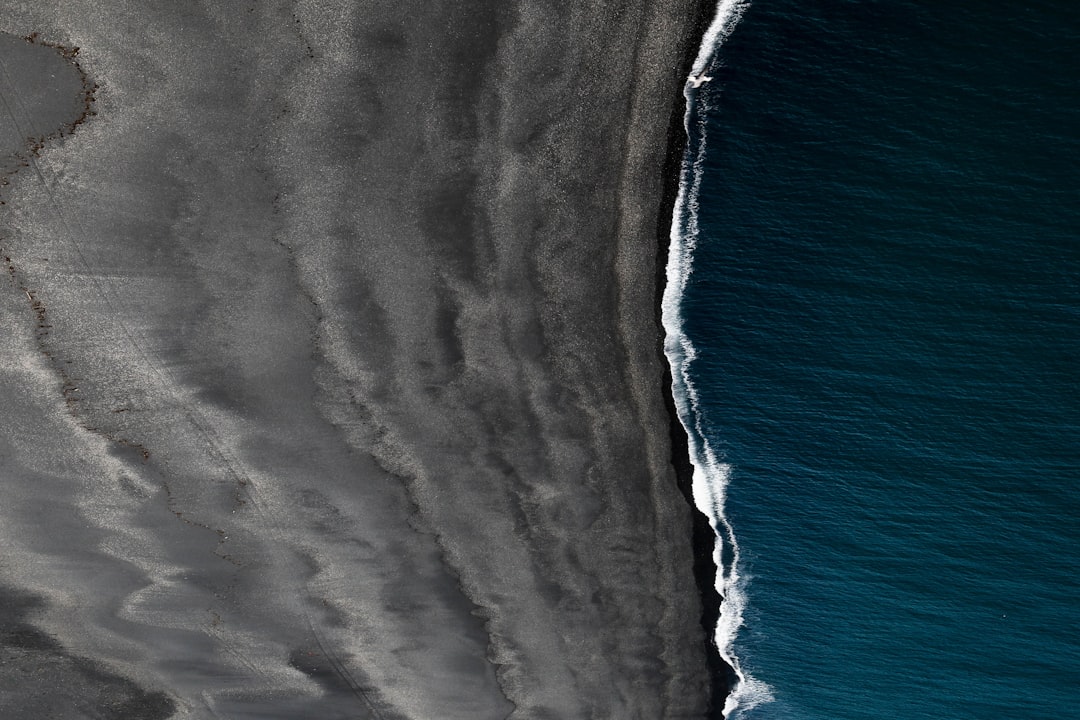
722, 676
702, 475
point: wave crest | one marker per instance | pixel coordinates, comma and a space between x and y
711, 476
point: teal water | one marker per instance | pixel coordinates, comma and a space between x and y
885, 306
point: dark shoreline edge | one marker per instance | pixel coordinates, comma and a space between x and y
721, 675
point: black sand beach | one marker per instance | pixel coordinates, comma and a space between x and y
331, 376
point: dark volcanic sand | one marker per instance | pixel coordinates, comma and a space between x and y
330, 375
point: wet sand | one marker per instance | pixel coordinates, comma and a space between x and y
331, 375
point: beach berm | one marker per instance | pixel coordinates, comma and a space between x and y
339, 391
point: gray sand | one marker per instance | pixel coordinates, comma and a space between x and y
330, 378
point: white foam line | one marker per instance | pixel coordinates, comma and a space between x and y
711, 476
728, 13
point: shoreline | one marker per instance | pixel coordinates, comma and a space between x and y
722, 675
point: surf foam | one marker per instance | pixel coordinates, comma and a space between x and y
711, 476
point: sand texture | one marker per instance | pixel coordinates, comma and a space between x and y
330, 380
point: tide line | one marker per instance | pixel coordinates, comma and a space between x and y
711, 476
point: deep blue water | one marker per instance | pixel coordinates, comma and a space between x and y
886, 308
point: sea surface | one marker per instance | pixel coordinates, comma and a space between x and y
874, 308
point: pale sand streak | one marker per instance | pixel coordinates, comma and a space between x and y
392, 347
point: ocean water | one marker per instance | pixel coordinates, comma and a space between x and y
874, 312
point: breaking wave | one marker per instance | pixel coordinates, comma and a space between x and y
711, 476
